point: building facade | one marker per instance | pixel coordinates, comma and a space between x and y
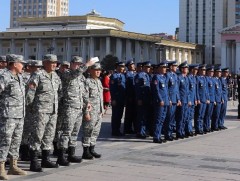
89, 36
230, 49
37, 8
201, 20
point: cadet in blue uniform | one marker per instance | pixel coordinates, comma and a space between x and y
202, 98
130, 111
223, 79
161, 101
143, 99
182, 109
193, 69
173, 91
218, 99
139, 67
117, 90
209, 108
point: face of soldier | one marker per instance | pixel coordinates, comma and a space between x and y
63, 68
74, 65
184, 70
3, 65
131, 67
194, 71
120, 69
33, 69
218, 74
139, 69
162, 70
210, 73
173, 68
202, 72
225, 74
18, 67
146, 69
95, 73
49, 66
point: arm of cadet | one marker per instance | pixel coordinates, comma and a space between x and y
86, 104
31, 88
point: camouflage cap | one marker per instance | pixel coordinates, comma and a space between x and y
77, 59
50, 57
65, 63
35, 63
3, 58
96, 66
15, 58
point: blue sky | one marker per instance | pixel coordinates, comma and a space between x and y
142, 16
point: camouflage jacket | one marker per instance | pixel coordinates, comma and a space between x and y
93, 95
44, 91
12, 89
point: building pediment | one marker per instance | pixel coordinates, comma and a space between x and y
235, 29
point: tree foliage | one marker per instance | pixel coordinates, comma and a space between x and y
109, 62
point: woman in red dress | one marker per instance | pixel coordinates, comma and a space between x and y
106, 91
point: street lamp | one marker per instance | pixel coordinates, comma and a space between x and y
51, 49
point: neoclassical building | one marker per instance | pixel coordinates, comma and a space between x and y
88, 36
230, 51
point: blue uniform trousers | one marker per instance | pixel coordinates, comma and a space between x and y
208, 116
117, 113
160, 113
130, 116
181, 119
170, 122
215, 116
201, 112
142, 118
222, 114
188, 125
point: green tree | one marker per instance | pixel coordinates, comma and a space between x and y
109, 62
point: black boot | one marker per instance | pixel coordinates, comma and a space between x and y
55, 149
46, 162
86, 154
71, 155
93, 153
34, 165
24, 149
62, 159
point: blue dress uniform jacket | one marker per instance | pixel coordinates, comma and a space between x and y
117, 91
173, 92
202, 96
160, 94
209, 107
217, 108
225, 99
182, 111
130, 111
143, 94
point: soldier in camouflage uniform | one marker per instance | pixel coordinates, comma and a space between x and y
3, 63
44, 90
92, 119
64, 66
32, 66
12, 112
73, 87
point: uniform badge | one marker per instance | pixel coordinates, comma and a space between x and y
163, 85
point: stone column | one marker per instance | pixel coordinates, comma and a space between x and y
91, 48
119, 49
237, 57
183, 56
39, 50
1, 48
102, 48
69, 50
145, 52
233, 68
108, 45
79, 47
26, 49
54, 45
224, 54
229, 54
12, 48
128, 49
84, 53
177, 54
154, 54
137, 52
189, 56
170, 53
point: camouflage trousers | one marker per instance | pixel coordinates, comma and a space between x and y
44, 126
10, 137
58, 131
70, 127
91, 129
27, 128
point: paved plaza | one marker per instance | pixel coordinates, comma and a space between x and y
214, 156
